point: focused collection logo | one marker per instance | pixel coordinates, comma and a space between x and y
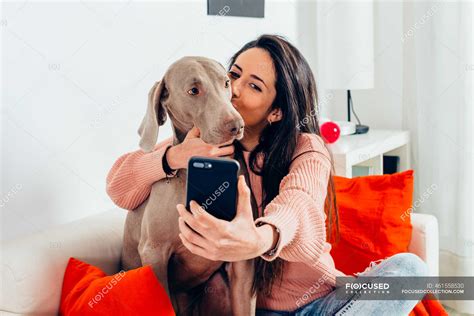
375, 287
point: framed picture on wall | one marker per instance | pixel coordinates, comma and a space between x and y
245, 8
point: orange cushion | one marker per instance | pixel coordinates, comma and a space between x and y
370, 222
88, 291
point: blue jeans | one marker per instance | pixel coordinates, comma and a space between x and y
402, 264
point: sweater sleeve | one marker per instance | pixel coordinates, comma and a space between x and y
298, 210
132, 175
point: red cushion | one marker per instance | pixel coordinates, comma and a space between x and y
373, 224
429, 307
88, 291
370, 221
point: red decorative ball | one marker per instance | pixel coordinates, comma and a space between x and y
330, 132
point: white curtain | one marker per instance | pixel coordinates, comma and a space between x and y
437, 103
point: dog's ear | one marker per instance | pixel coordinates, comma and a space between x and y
155, 116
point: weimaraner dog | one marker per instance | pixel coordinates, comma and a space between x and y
194, 91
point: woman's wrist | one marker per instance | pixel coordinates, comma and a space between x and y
268, 238
171, 157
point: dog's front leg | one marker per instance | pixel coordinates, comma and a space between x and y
157, 258
241, 276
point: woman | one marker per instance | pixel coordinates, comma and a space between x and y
291, 179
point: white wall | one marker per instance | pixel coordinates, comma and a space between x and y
75, 77
379, 107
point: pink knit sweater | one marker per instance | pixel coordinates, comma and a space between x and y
298, 212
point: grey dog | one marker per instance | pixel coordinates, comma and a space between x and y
195, 91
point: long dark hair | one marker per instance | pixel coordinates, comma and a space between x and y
297, 98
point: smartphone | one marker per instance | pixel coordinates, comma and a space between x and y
212, 183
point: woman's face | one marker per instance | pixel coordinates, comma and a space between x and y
253, 81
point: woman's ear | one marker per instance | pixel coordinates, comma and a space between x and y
275, 115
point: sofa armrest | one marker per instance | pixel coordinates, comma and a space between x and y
32, 268
425, 240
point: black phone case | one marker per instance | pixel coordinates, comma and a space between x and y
214, 188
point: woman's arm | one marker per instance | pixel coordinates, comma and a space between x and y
132, 175
298, 210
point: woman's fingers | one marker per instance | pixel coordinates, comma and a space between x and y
193, 145
193, 133
227, 143
206, 219
225, 151
191, 235
193, 248
198, 219
189, 218
244, 207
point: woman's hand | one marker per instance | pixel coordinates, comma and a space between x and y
220, 240
179, 155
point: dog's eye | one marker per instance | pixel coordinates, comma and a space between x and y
227, 83
193, 91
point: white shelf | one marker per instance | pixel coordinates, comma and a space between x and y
368, 150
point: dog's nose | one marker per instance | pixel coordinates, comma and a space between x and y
233, 126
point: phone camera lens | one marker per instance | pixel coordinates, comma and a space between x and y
198, 165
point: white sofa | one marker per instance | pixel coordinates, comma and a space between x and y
33, 267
